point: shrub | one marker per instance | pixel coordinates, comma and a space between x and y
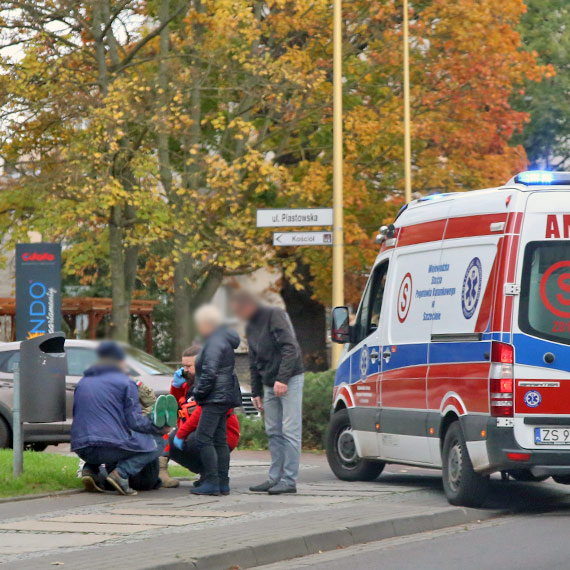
317, 401
252, 433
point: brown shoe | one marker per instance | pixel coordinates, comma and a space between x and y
168, 482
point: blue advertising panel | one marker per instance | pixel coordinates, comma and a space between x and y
38, 289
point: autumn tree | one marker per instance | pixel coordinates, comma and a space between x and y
150, 132
546, 137
76, 109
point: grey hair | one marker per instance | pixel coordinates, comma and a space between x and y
209, 314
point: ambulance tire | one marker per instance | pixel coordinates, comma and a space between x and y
341, 452
462, 486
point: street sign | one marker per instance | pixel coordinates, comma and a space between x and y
302, 238
294, 217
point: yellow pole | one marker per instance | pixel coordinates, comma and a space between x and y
338, 238
407, 135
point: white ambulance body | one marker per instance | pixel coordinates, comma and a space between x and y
459, 357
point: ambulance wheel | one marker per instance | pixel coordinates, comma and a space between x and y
342, 455
461, 484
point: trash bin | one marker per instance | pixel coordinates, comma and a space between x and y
43, 366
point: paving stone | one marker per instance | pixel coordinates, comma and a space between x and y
46, 526
128, 519
175, 513
22, 542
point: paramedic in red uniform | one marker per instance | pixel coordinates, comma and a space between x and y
184, 448
181, 388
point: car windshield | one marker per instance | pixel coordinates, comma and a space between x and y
545, 291
148, 363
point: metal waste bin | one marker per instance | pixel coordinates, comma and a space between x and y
43, 367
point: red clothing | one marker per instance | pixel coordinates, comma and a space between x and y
181, 394
185, 428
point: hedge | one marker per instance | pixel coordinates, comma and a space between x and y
317, 401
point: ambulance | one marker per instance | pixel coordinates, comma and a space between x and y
459, 354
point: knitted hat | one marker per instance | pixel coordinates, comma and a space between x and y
110, 350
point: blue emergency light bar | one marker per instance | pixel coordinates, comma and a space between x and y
542, 178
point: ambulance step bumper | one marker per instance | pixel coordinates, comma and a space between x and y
544, 470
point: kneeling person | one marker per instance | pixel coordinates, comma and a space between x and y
108, 425
184, 448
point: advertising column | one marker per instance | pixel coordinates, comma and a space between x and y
38, 289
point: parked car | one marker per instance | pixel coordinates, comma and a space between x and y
80, 356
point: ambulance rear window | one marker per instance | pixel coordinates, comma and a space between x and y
545, 291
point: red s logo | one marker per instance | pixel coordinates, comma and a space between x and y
562, 284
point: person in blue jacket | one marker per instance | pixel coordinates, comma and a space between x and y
108, 424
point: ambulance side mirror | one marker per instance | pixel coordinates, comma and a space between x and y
340, 327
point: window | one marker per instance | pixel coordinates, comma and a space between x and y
368, 317
148, 363
8, 359
79, 360
545, 292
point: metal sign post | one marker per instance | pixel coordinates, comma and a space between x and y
18, 440
338, 203
407, 121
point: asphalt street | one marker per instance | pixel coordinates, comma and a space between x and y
536, 538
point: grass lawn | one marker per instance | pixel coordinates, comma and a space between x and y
48, 472
43, 473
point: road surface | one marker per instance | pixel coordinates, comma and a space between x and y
526, 541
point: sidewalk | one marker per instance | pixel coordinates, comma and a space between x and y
169, 529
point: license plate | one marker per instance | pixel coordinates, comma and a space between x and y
552, 436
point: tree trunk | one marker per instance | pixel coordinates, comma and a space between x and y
121, 301
309, 321
187, 300
182, 325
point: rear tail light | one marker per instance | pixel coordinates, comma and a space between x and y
501, 383
518, 456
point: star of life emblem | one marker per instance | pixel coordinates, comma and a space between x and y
471, 290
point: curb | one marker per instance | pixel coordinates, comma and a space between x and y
18, 498
323, 541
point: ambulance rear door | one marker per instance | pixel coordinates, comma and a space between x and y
541, 324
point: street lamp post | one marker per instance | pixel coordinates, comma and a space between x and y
338, 236
407, 134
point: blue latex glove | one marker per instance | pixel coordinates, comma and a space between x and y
178, 379
178, 443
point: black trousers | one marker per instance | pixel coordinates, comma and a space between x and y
189, 455
212, 443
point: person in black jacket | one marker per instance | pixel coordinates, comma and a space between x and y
216, 389
276, 367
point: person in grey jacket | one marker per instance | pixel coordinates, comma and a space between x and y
276, 367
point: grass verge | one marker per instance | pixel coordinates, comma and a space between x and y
43, 473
